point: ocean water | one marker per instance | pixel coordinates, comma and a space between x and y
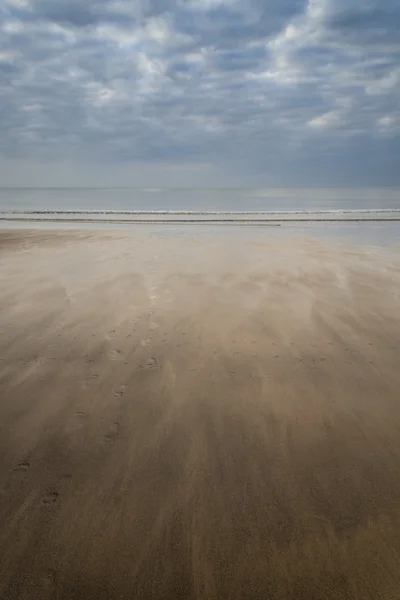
363, 216
23, 200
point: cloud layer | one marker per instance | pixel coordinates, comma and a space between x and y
289, 89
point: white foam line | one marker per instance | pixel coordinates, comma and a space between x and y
200, 213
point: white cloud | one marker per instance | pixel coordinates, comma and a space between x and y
387, 121
18, 3
327, 120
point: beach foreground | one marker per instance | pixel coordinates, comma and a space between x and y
201, 417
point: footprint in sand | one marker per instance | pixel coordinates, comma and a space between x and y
112, 433
119, 391
151, 363
50, 498
21, 467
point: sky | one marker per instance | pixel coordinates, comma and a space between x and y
200, 92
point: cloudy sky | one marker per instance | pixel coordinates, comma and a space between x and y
202, 92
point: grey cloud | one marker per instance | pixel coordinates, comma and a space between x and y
82, 14
229, 27
251, 82
242, 60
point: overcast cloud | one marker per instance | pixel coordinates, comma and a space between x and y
279, 92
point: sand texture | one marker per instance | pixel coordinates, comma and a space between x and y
198, 416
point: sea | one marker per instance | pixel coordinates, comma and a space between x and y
370, 212
23, 199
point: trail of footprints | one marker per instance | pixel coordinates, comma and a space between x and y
50, 497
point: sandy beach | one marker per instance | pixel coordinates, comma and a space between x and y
198, 416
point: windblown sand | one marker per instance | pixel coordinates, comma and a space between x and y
198, 416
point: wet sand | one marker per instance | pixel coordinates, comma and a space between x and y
198, 416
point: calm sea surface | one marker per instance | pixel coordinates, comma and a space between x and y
229, 200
